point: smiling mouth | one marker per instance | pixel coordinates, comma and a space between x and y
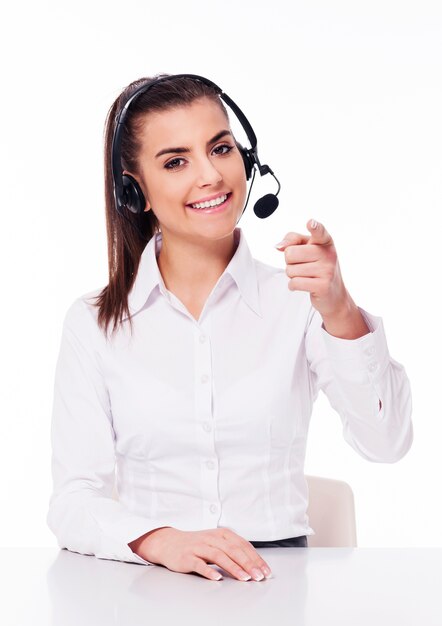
208, 207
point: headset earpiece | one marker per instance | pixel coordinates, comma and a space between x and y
247, 158
133, 197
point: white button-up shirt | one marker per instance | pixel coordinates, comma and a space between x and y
203, 423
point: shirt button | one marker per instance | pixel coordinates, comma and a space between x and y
213, 508
207, 427
369, 351
210, 464
372, 366
202, 338
204, 378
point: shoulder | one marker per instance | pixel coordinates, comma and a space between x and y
81, 316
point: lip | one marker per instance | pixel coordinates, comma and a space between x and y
214, 209
208, 198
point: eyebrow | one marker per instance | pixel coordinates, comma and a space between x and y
222, 133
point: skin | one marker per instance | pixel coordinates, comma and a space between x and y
195, 251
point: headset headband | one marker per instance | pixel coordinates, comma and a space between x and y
117, 169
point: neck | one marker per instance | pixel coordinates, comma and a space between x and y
189, 268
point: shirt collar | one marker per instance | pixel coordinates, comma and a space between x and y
241, 269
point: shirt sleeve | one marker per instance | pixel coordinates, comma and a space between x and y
82, 514
369, 389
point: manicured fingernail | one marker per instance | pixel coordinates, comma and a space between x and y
281, 243
313, 223
257, 574
266, 571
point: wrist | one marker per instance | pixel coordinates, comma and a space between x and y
145, 546
347, 323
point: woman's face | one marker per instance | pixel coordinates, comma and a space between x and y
183, 161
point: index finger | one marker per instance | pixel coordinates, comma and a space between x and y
243, 553
250, 549
292, 239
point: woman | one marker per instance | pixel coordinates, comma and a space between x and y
201, 396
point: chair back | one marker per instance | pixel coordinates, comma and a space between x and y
331, 512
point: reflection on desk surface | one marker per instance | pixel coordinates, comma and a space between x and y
309, 587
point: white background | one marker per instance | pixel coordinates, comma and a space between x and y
346, 102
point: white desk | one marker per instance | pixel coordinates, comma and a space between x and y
310, 587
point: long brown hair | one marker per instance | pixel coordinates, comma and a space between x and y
124, 243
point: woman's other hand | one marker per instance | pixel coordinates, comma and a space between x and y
192, 551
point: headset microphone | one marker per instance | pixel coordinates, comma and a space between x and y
266, 205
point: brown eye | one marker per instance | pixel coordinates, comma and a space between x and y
170, 166
224, 146
173, 164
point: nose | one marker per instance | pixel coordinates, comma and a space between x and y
207, 173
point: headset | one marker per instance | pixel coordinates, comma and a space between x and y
128, 193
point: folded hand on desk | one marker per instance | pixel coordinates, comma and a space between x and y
192, 551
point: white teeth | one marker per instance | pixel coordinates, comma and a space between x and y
211, 203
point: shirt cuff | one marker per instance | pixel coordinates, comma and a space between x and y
116, 537
365, 356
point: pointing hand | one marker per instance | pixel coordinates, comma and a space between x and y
312, 265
